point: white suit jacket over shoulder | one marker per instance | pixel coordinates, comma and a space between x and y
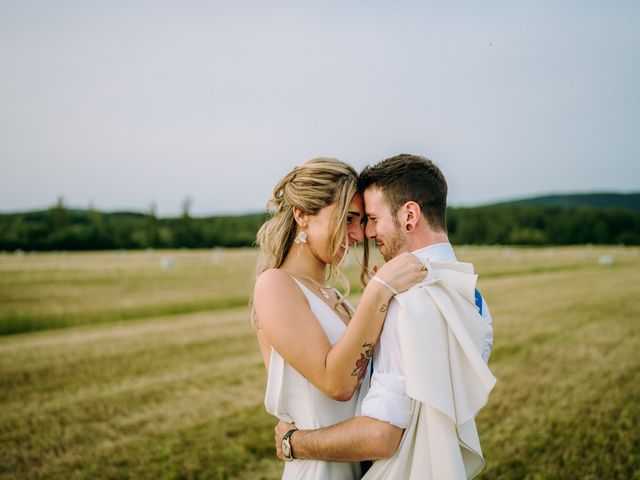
442, 338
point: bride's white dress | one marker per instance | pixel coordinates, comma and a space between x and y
292, 398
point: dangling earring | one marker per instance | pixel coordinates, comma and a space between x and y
301, 237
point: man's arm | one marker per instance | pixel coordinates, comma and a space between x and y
354, 440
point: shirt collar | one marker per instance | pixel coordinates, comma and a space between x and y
439, 252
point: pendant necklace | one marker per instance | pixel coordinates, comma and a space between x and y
323, 289
324, 293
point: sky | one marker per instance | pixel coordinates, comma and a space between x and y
122, 105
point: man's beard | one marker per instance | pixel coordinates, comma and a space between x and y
395, 243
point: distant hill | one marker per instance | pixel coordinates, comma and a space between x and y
593, 200
598, 218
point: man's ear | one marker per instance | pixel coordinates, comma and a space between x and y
300, 217
410, 216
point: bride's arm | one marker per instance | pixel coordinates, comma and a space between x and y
288, 325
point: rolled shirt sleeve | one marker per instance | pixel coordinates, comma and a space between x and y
387, 400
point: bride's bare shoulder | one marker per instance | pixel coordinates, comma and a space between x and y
274, 280
276, 296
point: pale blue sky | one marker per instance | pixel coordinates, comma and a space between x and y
121, 104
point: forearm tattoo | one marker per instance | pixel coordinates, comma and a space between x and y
362, 363
383, 308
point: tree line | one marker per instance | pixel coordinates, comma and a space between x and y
61, 228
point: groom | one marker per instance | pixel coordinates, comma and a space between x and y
429, 374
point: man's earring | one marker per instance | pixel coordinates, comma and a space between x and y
301, 237
408, 227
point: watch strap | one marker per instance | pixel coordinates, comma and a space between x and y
289, 433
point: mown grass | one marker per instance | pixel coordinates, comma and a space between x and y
567, 361
133, 399
53, 290
180, 395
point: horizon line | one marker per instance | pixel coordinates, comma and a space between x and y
258, 212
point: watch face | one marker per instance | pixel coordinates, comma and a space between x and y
286, 448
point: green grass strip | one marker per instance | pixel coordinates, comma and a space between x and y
13, 324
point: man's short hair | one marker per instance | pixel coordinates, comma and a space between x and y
405, 178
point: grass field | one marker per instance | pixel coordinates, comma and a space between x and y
144, 365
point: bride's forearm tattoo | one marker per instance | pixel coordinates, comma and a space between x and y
383, 308
363, 361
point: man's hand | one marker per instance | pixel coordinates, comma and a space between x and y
281, 429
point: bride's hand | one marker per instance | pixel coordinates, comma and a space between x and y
402, 272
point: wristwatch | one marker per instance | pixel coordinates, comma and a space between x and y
286, 445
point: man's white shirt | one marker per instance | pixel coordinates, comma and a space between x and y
385, 398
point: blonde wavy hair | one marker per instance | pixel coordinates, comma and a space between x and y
316, 184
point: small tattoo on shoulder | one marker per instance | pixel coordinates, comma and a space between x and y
383, 308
